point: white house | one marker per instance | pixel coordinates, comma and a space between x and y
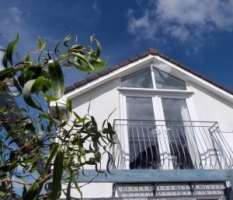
174, 130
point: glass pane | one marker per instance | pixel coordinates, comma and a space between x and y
173, 110
139, 108
140, 79
164, 80
183, 147
143, 143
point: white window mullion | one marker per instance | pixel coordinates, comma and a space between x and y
153, 76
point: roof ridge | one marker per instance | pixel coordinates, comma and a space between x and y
151, 51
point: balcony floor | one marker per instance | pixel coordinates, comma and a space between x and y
155, 176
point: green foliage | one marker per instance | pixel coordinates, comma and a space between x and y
48, 148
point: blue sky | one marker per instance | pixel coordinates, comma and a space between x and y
197, 33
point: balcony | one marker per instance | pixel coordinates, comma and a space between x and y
167, 151
170, 145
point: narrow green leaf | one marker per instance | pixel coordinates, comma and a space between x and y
67, 38
94, 122
53, 153
98, 63
32, 193
19, 89
69, 105
38, 84
57, 78
77, 47
2, 153
34, 159
84, 58
6, 73
49, 98
57, 51
39, 141
78, 66
10, 49
4, 168
99, 48
68, 196
46, 86
28, 57
57, 175
4, 60
41, 43
30, 72
24, 190
33, 71
27, 95
77, 186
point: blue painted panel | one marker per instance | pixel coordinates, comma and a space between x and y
230, 194
145, 176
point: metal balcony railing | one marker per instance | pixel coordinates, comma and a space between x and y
161, 144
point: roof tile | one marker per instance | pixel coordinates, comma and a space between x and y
163, 56
174, 61
123, 63
69, 88
114, 68
80, 83
228, 90
151, 51
142, 55
102, 73
195, 73
133, 59
91, 78
207, 79
185, 67
218, 85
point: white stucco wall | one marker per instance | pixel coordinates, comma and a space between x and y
211, 107
103, 101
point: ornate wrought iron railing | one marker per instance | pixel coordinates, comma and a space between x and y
161, 144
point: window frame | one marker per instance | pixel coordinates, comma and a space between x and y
156, 95
151, 69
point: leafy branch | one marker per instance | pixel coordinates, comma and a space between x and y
54, 147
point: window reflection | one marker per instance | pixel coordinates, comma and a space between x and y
143, 141
143, 79
180, 133
140, 79
166, 81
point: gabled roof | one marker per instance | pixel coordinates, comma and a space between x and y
151, 51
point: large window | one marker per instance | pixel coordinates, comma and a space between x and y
159, 133
144, 79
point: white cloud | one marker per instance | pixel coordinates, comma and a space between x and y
15, 13
181, 20
142, 27
96, 8
14, 21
